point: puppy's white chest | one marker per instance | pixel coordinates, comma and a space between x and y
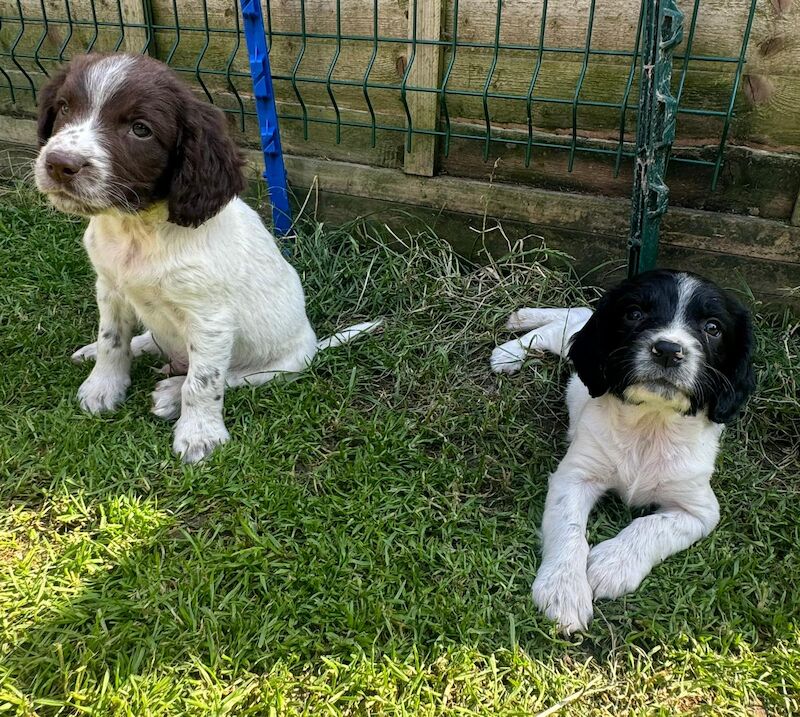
653, 457
647, 464
125, 251
131, 260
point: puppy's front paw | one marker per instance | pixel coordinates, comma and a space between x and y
87, 353
102, 392
196, 438
563, 594
167, 398
508, 357
613, 570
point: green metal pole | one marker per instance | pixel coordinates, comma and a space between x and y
662, 29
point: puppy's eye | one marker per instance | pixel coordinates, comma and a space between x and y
141, 130
712, 328
634, 314
63, 108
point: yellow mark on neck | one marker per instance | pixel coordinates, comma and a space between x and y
641, 395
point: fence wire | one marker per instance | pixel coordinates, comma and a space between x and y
317, 71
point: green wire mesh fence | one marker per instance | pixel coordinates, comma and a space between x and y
526, 75
37, 37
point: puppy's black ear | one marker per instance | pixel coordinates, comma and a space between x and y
207, 170
48, 107
739, 380
588, 350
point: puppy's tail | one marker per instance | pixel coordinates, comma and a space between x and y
347, 335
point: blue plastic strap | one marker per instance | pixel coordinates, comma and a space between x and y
261, 75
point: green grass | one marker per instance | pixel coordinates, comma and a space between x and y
365, 543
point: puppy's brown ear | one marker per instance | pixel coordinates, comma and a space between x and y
207, 170
48, 107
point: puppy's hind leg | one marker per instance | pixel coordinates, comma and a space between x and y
167, 395
528, 318
509, 357
145, 344
286, 368
553, 329
140, 345
167, 398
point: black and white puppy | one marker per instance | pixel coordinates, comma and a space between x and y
125, 143
663, 363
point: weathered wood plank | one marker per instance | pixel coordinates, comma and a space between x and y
356, 17
772, 120
73, 34
135, 37
423, 71
774, 123
355, 143
752, 182
719, 28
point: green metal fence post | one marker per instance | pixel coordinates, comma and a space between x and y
662, 29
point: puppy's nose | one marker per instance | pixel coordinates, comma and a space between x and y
63, 167
667, 353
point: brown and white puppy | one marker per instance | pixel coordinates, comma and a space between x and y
124, 142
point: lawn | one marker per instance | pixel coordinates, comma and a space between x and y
365, 543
